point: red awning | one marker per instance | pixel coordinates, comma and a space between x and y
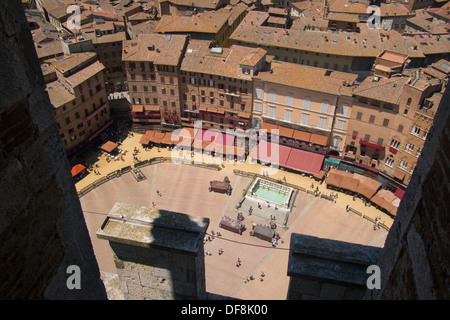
283, 154
77, 169
393, 150
372, 145
399, 193
305, 161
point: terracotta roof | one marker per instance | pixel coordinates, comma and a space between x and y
158, 48
73, 61
108, 38
146, 27
200, 58
307, 77
442, 65
432, 44
393, 56
140, 16
85, 73
308, 23
440, 12
58, 95
277, 20
394, 9
207, 4
348, 6
205, 22
278, 11
301, 5
49, 49
434, 73
57, 8
385, 89
422, 21
253, 57
368, 44
339, 16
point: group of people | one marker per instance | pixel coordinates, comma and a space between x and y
376, 226
211, 237
249, 278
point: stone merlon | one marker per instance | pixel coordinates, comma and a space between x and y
149, 227
330, 260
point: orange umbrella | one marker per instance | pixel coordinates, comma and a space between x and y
77, 169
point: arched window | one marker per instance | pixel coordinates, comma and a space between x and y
408, 103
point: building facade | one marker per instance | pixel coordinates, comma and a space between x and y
216, 84
107, 38
310, 106
152, 64
390, 120
76, 87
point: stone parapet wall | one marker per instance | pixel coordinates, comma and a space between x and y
159, 255
42, 228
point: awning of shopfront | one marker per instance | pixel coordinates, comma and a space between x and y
267, 152
304, 161
77, 169
387, 200
399, 193
399, 175
269, 127
301, 135
382, 180
287, 157
318, 139
109, 146
354, 182
137, 108
215, 136
333, 161
372, 145
347, 167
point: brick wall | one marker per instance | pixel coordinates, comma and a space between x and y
414, 263
42, 229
